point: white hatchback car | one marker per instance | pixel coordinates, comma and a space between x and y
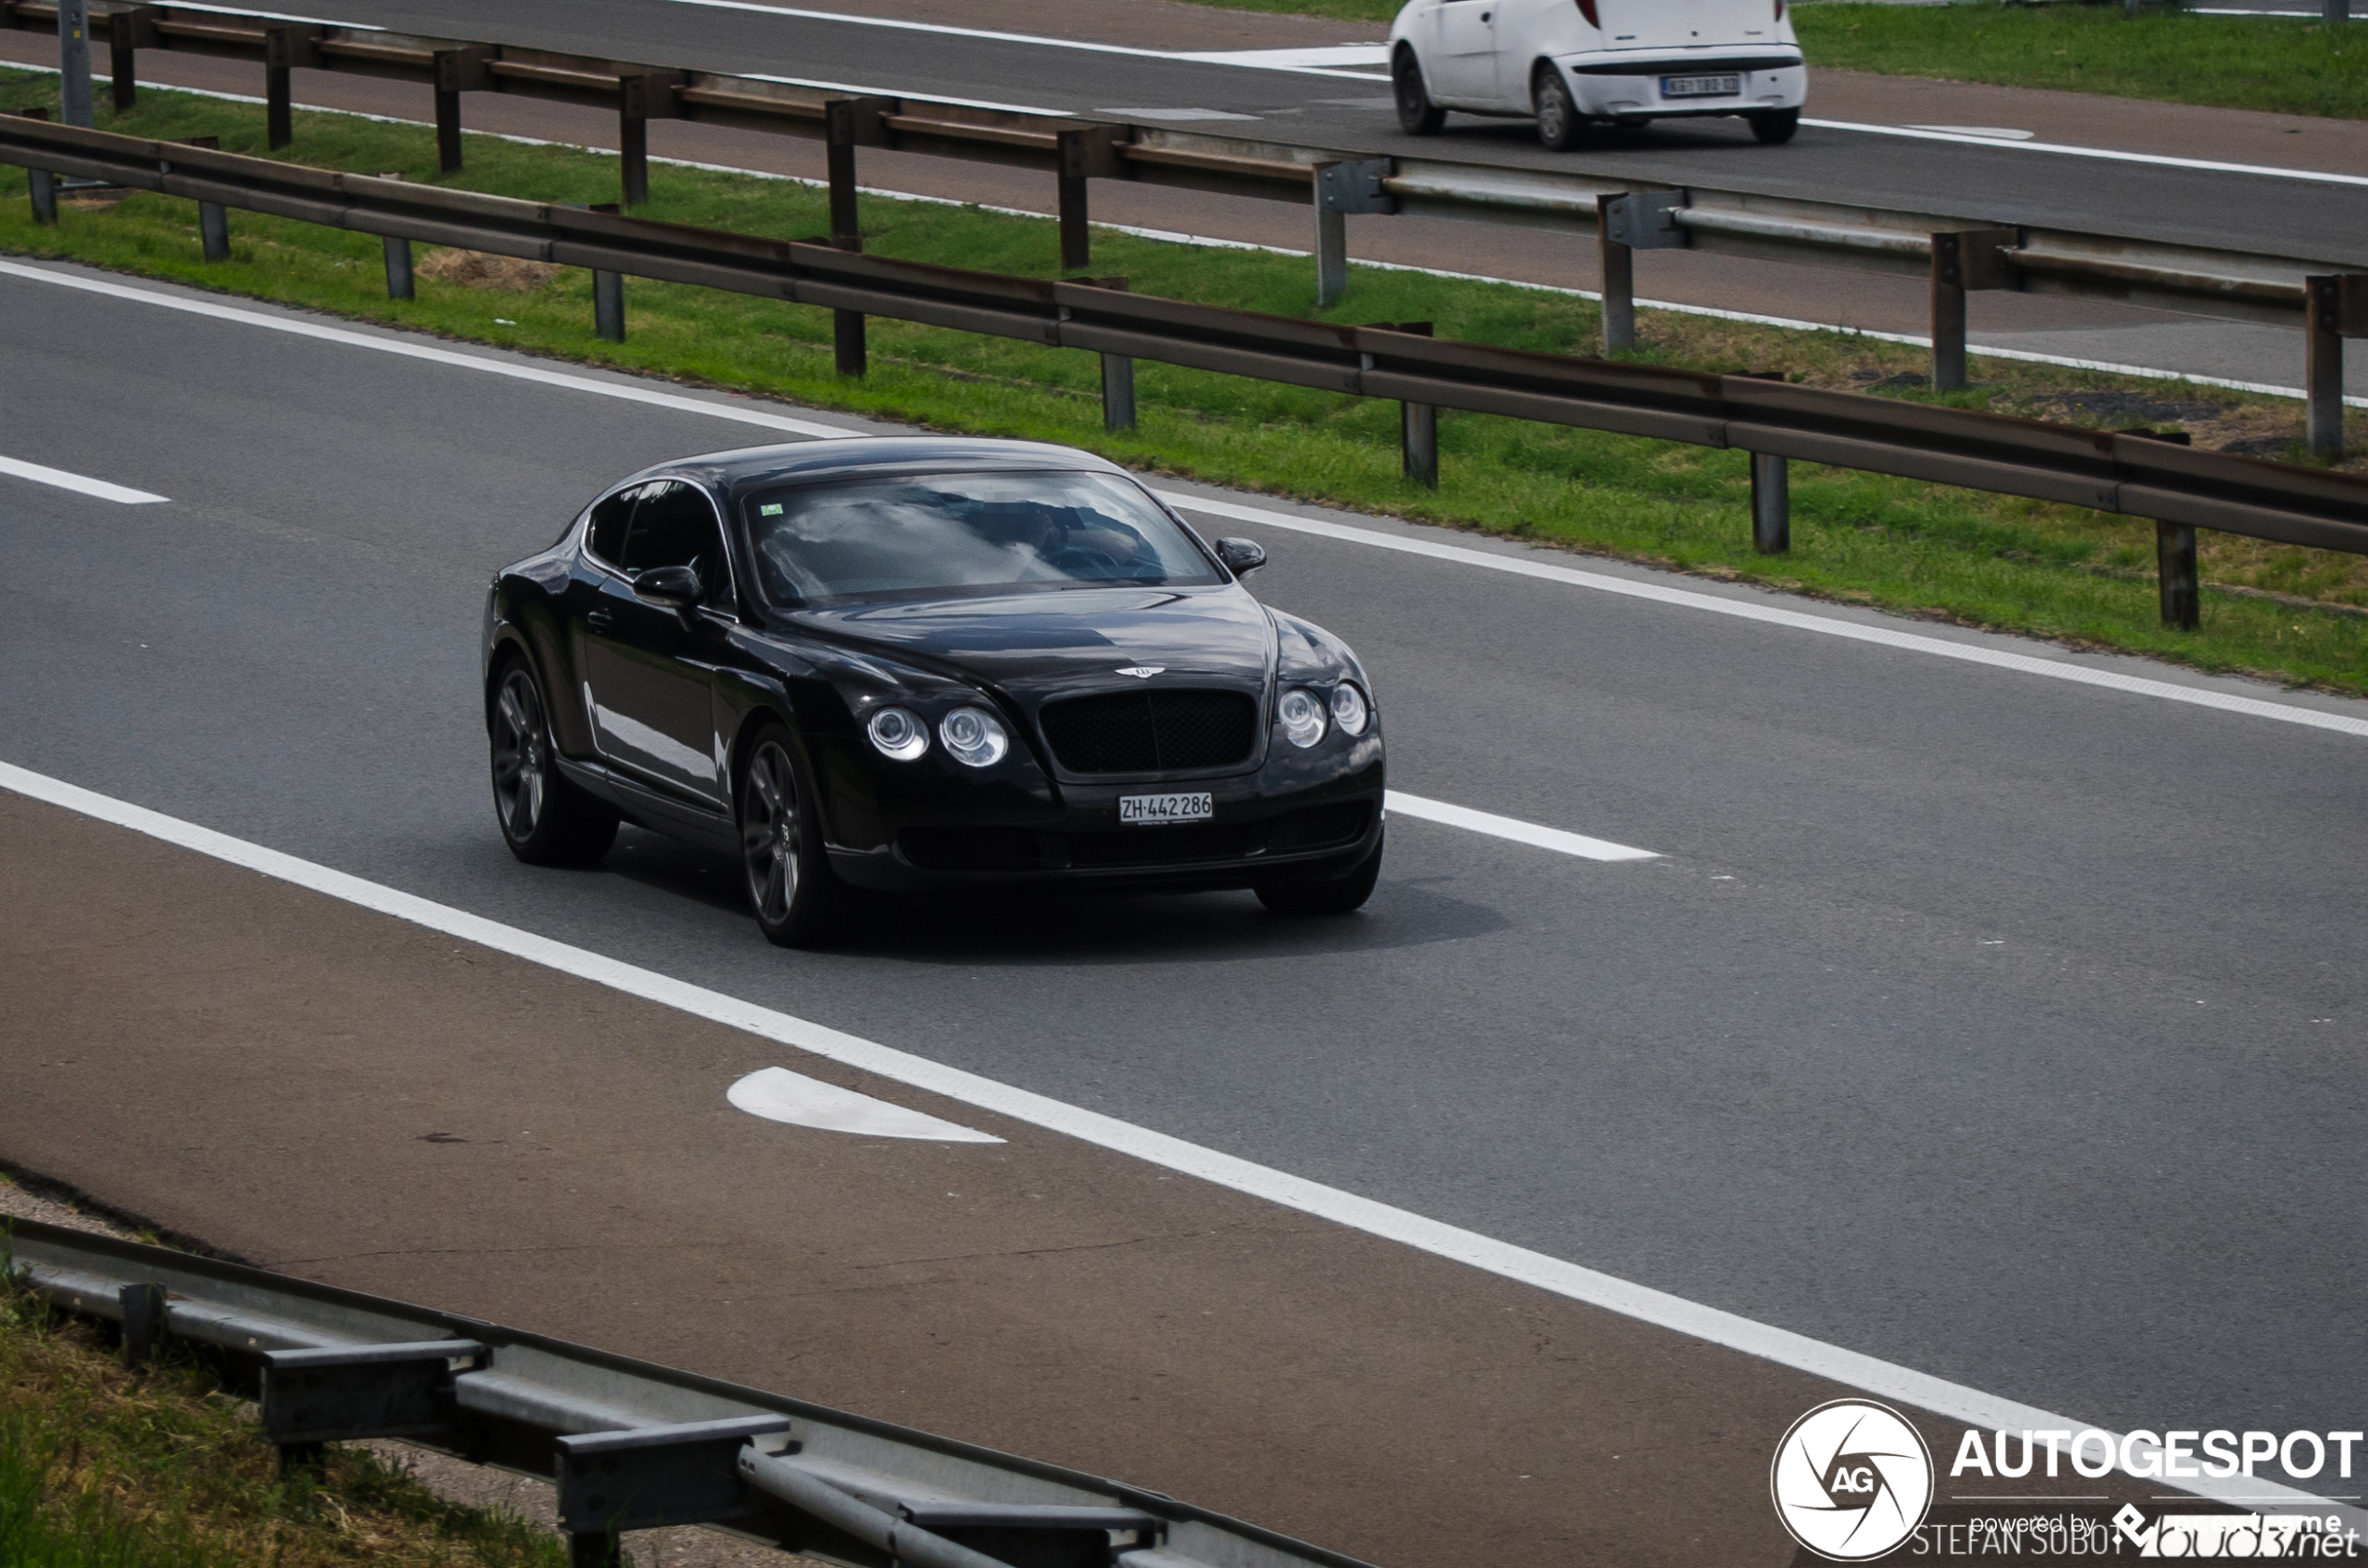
1571, 62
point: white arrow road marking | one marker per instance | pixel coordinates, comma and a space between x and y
78, 483
778, 1094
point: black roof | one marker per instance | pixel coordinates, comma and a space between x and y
747, 468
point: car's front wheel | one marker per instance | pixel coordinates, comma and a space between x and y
1775, 127
1559, 122
1332, 896
1416, 114
545, 820
794, 896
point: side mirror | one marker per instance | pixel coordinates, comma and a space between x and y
1241, 555
668, 587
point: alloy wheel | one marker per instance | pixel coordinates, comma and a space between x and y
769, 833
521, 755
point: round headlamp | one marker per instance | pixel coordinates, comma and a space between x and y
1348, 708
898, 734
1303, 717
973, 736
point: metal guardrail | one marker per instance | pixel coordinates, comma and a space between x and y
2135, 474
630, 1445
1957, 253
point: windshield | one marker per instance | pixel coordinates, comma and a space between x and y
966, 533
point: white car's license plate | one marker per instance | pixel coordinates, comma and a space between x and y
1153, 810
1700, 87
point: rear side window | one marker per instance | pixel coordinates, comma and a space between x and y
606, 535
673, 524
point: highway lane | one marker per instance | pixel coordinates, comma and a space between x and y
2172, 204
1992, 1026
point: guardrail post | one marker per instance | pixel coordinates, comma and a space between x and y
1642, 220
1619, 293
1967, 259
1343, 188
457, 71
2175, 563
1085, 154
213, 230
74, 62
1772, 504
1118, 392
608, 305
2334, 308
399, 282
849, 123
2337, 12
143, 1323
1418, 427
42, 184
129, 32
641, 97
848, 354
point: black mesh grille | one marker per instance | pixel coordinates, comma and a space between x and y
1152, 731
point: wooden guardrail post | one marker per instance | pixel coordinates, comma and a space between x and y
2175, 565
1961, 260
2334, 308
1772, 504
466, 69
129, 32
1642, 220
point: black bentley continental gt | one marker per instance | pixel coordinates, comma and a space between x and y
917, 665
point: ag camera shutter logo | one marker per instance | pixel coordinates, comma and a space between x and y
1851, 1480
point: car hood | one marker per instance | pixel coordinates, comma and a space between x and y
1047, 644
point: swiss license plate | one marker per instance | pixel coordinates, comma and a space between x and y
1700, 87
1153, 810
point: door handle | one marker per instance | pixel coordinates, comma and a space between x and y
600, 620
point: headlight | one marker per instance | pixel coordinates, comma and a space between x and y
1303, 717
898, 734
974, 737
1348, 708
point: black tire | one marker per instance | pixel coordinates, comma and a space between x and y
1560, 124
1417, 116
796, 900
1337, 895
1775, 127
545, 820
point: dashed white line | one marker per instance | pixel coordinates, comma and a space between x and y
1966, 135
1511, 828
79, 484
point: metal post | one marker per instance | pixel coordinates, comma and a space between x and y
1118, 392
279, 113
1331, 257
447, 132
2175, 561
1085, 154
1772, 504
129, 32
1948, 331
399, 284
1077, 243
595, 1552
213, 230
143, 1323
2323, 366
839, 163
608, 305
2338, 12
847, 343
1418, 425
45, 196
1620, 294
74, 62
457, 71
633, 141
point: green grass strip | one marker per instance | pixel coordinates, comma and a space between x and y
1985, 560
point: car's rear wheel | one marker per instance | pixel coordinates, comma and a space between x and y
545, 820
1560, 124
796, 900
1416, 114
1775, 127
1330, 896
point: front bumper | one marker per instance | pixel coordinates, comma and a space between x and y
1630, 90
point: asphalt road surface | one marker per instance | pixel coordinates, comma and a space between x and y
2000, 1026
1345, 110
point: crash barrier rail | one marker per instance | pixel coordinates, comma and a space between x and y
2137, 473
631, 1446
1957, 254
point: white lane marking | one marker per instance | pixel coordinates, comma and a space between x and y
898, 92
1177, 115
1964, 135
1987, 132
76, 483
1252, 59
778, 1094
1507, 826
1953, 1400
1770, 614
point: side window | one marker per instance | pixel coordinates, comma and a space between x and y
673, 524
606, 536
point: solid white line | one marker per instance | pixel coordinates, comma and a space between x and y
1506, 827
2066, 149
76, 483
1954, 1401
1769, 615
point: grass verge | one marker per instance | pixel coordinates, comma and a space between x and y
101, 1467
1986, 560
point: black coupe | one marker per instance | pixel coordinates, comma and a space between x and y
916, 664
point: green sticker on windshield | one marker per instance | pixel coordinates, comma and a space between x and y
770, 509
